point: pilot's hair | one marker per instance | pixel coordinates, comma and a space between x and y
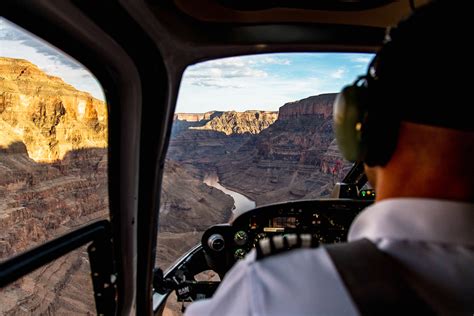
425, 66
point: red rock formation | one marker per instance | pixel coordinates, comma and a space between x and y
316, 105
194, 117
53, 179
232, 122
48, 115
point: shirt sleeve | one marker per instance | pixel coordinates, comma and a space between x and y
232, 296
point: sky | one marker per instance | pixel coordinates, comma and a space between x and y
267, 81
254, 82
16, 42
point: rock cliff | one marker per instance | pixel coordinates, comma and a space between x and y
232, 122
48, 115
187, 209
195, 117
53, 156
294, 157
53, 179
319, 105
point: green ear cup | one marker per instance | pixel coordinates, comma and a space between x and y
349, 118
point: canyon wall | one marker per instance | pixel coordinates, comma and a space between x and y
188, 207
315, 105
195, 117
53, 156
294, 157
53, 179
232, 122
48, 115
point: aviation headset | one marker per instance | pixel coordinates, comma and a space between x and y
366, 127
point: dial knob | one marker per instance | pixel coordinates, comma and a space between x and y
216, 242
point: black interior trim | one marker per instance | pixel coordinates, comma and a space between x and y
356, 175
67, 28
329, 5
112, 18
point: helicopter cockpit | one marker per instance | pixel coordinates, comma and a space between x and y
144, 198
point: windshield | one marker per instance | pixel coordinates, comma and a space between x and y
250, 131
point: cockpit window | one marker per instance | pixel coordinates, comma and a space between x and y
250, 131
53, 167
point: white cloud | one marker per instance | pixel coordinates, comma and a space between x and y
361, 59
233, 67
259, 82
18, 43
338, 73
230, 72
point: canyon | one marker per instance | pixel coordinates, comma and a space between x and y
53, 176
53, 179
293, 155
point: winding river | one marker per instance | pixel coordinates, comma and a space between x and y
241, 202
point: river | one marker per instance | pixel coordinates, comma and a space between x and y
241, 202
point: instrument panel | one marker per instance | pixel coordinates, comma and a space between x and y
328, 221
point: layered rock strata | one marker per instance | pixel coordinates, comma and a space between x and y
48, 115
53, 179
232, 122
295, 157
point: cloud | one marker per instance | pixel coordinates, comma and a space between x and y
263, 82
215, 84
18, 43
219, 73
338, 73
361, 59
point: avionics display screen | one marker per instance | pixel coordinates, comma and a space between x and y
283, 222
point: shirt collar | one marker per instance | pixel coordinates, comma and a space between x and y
416, 219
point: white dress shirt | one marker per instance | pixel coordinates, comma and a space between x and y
433, 239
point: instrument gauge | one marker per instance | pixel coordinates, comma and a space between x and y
240, 238
239, 254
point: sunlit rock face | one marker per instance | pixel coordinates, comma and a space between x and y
195, 117
48, 115
53, 179
53, 156
232, 122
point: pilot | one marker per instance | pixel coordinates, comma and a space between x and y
408, 119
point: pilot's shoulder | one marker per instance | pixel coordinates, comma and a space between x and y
304, 268
280, 244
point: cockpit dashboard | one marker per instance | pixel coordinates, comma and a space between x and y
327, 221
